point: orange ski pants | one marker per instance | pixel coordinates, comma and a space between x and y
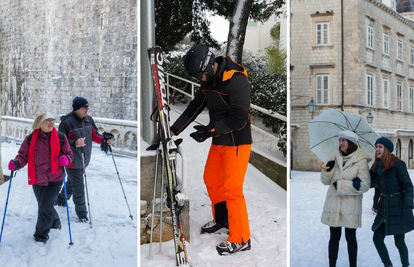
224, 176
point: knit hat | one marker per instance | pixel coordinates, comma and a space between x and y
348, 135
385, 142
78, 102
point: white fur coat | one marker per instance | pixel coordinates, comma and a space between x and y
343, 206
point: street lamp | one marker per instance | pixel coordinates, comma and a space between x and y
370, 117
312, 107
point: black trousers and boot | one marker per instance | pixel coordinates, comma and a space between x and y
47, 216
399, 241
350, 235
75, 187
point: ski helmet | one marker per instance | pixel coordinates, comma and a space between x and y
199, 60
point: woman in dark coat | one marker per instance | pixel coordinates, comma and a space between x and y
45, 150
395, 216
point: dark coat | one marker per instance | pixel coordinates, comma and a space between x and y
396, 194
74, 128
228, 101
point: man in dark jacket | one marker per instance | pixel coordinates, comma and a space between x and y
81, 132
225, 91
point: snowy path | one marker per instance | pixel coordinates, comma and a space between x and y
309, 237
266, 204
111, 242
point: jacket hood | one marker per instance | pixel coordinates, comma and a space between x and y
357, 156
64, 117
227, 68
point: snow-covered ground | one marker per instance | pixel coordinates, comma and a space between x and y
111, 242
267, 208
309, 237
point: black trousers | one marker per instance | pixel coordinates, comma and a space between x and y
75, 187
350, 235
46, 214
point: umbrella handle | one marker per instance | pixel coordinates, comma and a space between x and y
323, 167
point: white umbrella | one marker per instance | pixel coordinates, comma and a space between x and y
324, 129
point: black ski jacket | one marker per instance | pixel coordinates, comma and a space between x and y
74, 128
227, 98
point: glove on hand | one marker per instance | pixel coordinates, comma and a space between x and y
13, 165
63, 160
330, 165
356, 183
104, 144
203, 132
407, 211
336, 185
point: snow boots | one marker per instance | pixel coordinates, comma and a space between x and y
214, 228
41, 239
227, 248
83, 219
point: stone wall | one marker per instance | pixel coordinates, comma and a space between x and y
52, 51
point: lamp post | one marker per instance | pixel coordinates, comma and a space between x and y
312, 107
370, 117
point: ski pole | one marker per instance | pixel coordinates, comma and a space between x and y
67, 208
7, 201
86, 187
161, 206
116, 168
153, 202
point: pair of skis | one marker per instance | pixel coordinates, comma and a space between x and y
169, 149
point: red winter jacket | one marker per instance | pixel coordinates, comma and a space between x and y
42, 158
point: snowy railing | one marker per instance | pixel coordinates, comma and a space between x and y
191, 95
125, 131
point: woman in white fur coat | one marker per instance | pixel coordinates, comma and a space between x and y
347, 176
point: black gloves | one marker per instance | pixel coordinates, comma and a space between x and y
203, 132
330, 165
336, 185
356, 183
104, 145
407, 211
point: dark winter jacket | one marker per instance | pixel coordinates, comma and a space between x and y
42, 157
227, 98
396, 194
74, 128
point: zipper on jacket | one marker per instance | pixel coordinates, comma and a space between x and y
237, 151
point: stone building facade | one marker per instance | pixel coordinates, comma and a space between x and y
378, 70
52, 51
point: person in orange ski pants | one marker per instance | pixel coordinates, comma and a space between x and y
225, 91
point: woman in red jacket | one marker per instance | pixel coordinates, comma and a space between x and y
45, 150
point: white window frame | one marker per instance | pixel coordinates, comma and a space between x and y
400, 47
385, 90
411, 55
322, 94
399, 96
370, 89
411, 98
385, 43
370, 36
324, 33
